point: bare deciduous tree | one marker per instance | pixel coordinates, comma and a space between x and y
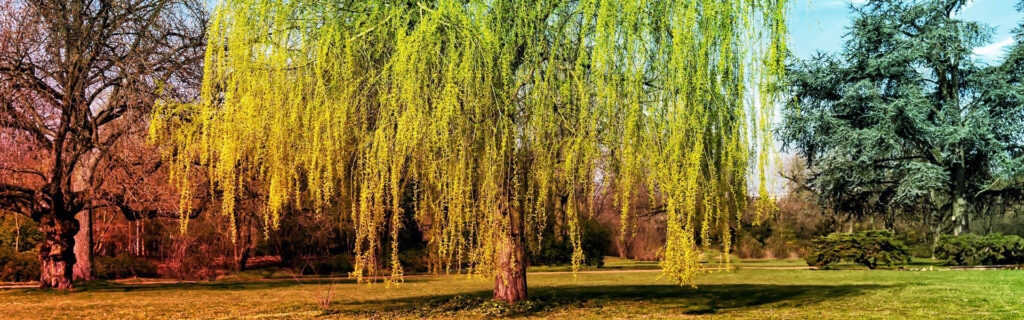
77, 79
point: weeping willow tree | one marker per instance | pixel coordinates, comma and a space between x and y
482, 110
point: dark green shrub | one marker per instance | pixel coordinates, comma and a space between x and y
339, 264
1011, 248
868, 248
918, 240
414, 260
829, 250
18, 266
971, 249
595, 240
301, 236
122, 266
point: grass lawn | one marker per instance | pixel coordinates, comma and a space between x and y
743, 293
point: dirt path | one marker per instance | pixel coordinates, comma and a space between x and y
130, 282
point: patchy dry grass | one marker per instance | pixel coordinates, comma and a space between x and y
744, 293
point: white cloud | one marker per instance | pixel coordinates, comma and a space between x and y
994, 50
966, 6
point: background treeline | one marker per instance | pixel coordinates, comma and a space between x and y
320, 243
903, 131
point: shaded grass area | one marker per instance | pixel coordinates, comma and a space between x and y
744, 293
708, 299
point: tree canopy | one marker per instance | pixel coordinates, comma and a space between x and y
906, 120
478, 112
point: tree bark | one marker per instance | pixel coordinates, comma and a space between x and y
83, 247
959, 215
242, 259
57, 251
17, 234
242, 246
510, 280
959, 189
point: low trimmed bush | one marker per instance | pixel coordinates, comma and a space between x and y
868, 248
18, 266
971, 249
122, 266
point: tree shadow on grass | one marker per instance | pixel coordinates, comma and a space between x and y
709, 298
670, 299
705, 299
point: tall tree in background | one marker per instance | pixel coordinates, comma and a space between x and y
76, 78
484, 111
906, 119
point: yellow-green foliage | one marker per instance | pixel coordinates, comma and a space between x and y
485, 109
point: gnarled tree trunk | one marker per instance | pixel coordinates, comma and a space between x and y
57, 250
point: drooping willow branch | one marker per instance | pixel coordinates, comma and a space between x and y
472, 113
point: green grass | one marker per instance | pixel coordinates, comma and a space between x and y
743, 293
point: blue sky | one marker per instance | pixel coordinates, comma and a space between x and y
819, 25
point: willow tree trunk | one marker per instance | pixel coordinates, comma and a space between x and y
57, 250
510, 280
510, 261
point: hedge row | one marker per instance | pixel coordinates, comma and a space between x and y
972, 249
